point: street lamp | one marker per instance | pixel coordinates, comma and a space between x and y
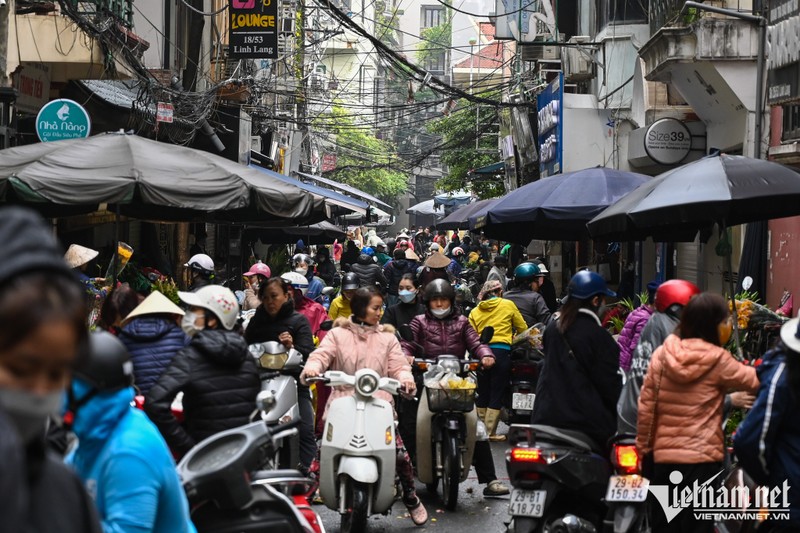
762, 36
472, 42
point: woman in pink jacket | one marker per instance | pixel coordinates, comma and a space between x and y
362, 342
680, 407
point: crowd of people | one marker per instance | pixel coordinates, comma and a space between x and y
66, 391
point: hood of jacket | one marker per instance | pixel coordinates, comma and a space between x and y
96, 419
490, 304
686, 360
223, 347
147, 328
400, 264
364, 259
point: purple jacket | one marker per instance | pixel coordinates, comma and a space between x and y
452, 336
629, 336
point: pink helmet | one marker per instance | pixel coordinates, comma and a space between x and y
259, 268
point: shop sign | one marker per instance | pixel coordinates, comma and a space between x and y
32, 83
328, 162
784, 51
165, 112
253, 29
667, 141
550, 107
62, 119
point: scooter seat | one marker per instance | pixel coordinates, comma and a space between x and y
573, 437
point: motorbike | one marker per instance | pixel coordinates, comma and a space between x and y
626, 493
446, 424
526, 364
358, 451
559, 481
228, 490
278, 368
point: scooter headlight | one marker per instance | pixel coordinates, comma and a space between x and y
367, 384
450, 365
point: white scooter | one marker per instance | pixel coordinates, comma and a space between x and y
278, 368
358, 452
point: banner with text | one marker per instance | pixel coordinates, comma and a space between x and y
253, 29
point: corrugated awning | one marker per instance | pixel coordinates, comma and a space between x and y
347, 188
494, 168
331, 197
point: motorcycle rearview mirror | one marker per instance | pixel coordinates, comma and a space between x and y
328, 291
747, 282
487, 334
326, 326
406, 333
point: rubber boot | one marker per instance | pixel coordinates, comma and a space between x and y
492, 418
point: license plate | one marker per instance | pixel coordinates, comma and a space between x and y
631, 488
527, 503
522, 402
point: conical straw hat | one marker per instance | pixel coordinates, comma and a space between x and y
154, 304
78, 255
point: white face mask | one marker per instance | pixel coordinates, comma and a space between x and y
407, 296
188, 324
29, 411
441, 313
301, 271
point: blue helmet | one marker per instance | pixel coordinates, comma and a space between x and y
368, 250
587, 284
525, 272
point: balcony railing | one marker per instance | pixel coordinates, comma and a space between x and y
122, 10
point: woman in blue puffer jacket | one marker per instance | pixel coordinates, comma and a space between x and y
153, 336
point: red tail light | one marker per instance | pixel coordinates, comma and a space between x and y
626, 458
524, 370
527, 455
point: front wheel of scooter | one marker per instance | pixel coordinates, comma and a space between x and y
355, 519
451, 474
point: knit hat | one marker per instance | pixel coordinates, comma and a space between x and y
28, 245
490, 286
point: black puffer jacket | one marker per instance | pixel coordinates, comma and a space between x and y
369, 272
531, 304
219, 381
263, 328
393, 272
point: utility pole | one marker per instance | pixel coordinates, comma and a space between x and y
5, 13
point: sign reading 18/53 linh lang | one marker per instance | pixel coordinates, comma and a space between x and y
62, 119
253, 29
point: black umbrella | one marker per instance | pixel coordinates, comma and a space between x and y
321, 233
724, 189
460, 217
557, 208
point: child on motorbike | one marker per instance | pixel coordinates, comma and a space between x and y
442, 330
361, 342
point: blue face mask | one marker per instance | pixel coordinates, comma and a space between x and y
407, 296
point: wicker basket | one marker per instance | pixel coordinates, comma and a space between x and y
462, 400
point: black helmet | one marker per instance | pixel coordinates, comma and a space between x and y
350, 281
439, 288
107, 366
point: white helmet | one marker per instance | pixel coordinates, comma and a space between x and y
217, 299
296, 280
200, 261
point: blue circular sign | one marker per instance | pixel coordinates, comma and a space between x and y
62, 119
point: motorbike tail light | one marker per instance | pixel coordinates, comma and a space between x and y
529, 476
523, 370
527, 455
626, 458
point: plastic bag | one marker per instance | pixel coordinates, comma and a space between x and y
431, 379
480, 431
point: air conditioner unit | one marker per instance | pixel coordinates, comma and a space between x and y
540, 52
578, 61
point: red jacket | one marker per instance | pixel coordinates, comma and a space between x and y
315, 314
451, 336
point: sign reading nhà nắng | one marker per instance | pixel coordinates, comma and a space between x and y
253, 29
62, 119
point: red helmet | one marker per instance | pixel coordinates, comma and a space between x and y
674, 291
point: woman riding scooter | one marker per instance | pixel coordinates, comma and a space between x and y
442, 330
361, 342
